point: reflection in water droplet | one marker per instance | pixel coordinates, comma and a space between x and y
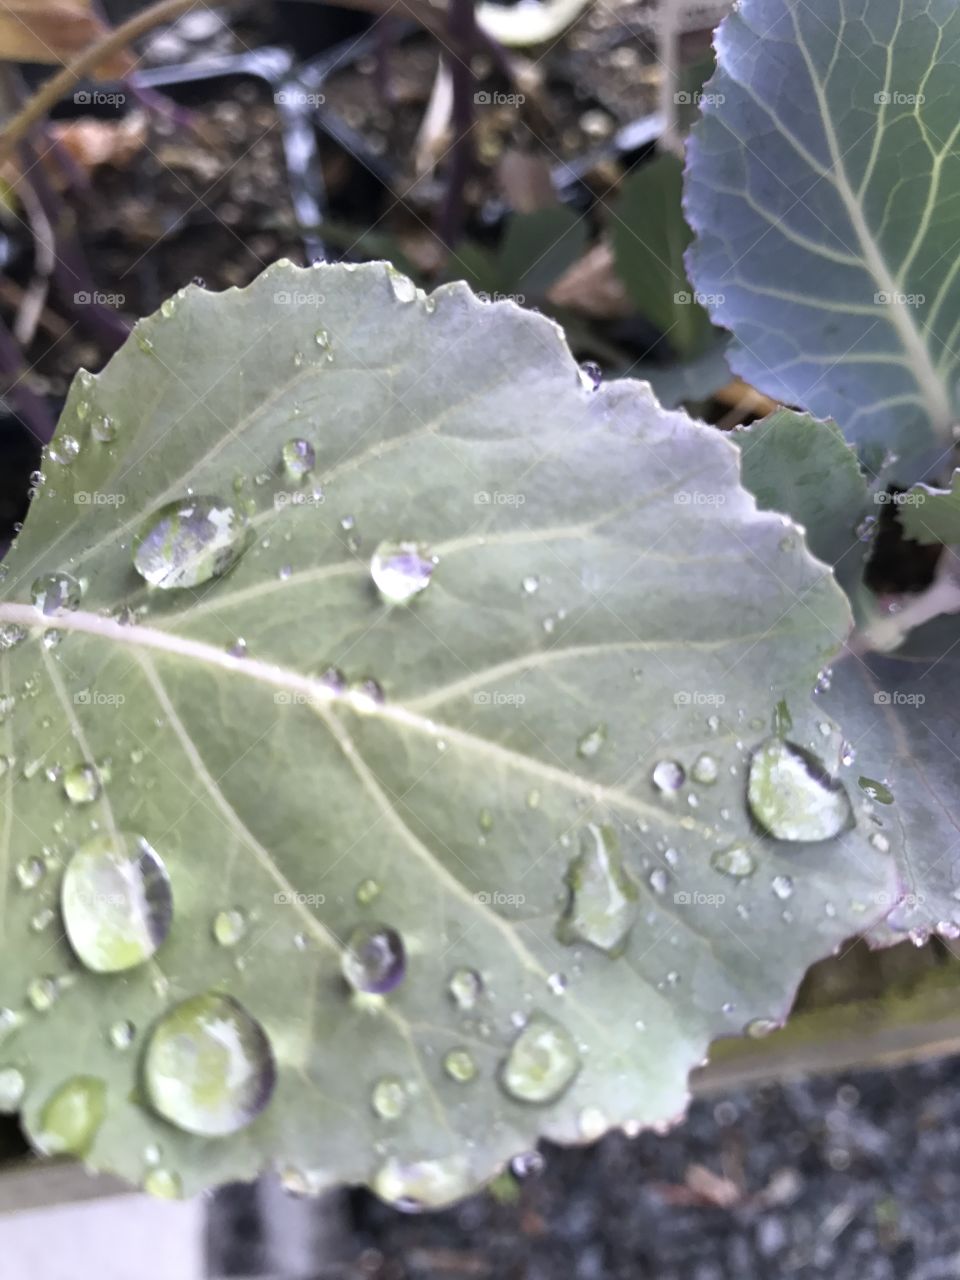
71, 1117
878, 791
736, 861
189, 542
389, 1098
82, 783
459, 1066
373, 960
602, 901
299, 458
209, 1068
542, 1061
162, 1184
55, 592
117, 902
791, 796
229, 927
668, 776
423, 1184
401, 570
591, 742
12, 1088
465, 987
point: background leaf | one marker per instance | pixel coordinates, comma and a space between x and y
932, 515
823, 184
607, 605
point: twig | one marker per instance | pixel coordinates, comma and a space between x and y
462, 31
52, 90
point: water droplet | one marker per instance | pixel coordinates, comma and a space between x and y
121, 1034
54, 592
12, 1088
658, 880
485, 820
373, 960
103, 429
42, 919
367, 891
63, 450
72, 1116
459, 1066
591, 742
404, 290
167, 307
423, 1184
189, 542
465, 987
705, 769
12, 634
322, 339
880, 842
209, 1068
757, 1028
533, 799
82, 783
299, 458
527, 1164
42, 993
591, 375
530, 584
30, 872
592, 1124
117, 902
668, 776
542, 1062
878, 791
791, 796
401, 570
736, 861
782, 886
602, 898
162, 1184
557, 982
229, 927
389, 1098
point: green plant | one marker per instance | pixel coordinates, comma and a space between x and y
424, 749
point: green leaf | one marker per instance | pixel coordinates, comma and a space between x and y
931, 515
823, 184
599, 625
649, 237
537, 248
897, 711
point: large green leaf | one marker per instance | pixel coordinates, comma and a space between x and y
605, 599
823, 185
898, 711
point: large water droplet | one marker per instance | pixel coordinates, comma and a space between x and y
542, 1061
602, 903
791, 796
55, 592
373, 960
209, 1067
81, 783
401, 570
299, 458
423, 1184
465, 987
72, 1116
189, 542
117, 902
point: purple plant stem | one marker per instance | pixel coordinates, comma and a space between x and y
462, 29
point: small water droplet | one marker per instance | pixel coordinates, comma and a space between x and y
190, 541
30, 871
121, 1034
163, 1184
735, 861
117, 902
167, 307
542, 1062
299, 458
12, 1088
880, 842
791, 796
63, 450
465, 987
592, 1124
877, 791
591, 742
705, 769
530, 584
557, 982
404, 290
401, 570
591, 375
423, 1184
459, 1066
373, 960
367, 891
103, 429
82, 783
389, 1098
668, 776
757, 1028
72, 1116
209, 1068
658, 880
42, 993
782, 886
229, 927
